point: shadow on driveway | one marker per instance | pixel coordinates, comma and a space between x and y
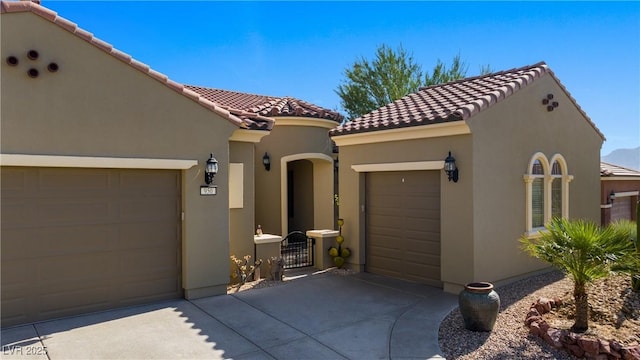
316, 317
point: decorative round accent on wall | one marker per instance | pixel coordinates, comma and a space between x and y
32, 54
33, 73
550, 105
12, 60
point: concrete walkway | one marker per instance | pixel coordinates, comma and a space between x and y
319, 316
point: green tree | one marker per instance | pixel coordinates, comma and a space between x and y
392, 74
584, 251
441, 74
372, 84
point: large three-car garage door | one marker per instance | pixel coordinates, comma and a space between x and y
403, 225
82, 240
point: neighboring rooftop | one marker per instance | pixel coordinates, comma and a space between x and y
452, 101
271, 106
611, 170
239, 117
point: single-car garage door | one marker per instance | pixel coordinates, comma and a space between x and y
403, 225
82, 240
621, 209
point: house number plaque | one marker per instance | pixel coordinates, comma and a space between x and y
208, 190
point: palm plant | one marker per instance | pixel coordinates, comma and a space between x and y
584, 251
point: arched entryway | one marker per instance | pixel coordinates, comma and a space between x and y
307, 182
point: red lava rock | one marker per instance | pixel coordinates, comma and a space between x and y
532, 319
590, 346
615, 346
552, 337
573, 343
630, 353
605, 347
598, 357
572, 338
540, 308
533, 312
546, 304
534, 328
544, 326
575, 350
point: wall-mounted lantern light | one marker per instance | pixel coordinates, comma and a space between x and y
266, 161
450, 168
612, 197
210, 170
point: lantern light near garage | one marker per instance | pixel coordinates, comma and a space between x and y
450, 168
210, 170
266, 161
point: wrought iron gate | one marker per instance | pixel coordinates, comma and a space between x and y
297, 250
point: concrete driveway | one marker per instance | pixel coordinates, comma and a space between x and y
318, 316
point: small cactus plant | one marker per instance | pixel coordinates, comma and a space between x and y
339, 254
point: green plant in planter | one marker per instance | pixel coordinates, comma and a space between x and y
339, 254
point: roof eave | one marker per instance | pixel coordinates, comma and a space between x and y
52, 16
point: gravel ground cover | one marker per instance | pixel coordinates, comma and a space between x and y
510, 339
614, 310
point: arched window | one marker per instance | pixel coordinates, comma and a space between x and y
556, 189
537, 194
547, 190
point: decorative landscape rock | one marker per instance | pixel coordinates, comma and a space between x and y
578, 345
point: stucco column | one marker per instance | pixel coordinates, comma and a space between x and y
324, 239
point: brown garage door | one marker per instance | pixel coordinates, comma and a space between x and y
403, 225
82, 240
621, 209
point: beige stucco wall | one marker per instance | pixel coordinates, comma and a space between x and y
289, 141
483, 215
505, 138
242, 220
96, 105
456, 198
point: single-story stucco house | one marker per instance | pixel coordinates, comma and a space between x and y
103, 163
295, 190
524, 151
619, 189
103, 166
105, 203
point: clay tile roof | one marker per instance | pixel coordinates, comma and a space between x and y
266, 105
452, 101
607, 170
242, 119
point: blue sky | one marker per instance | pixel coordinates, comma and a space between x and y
301, 49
